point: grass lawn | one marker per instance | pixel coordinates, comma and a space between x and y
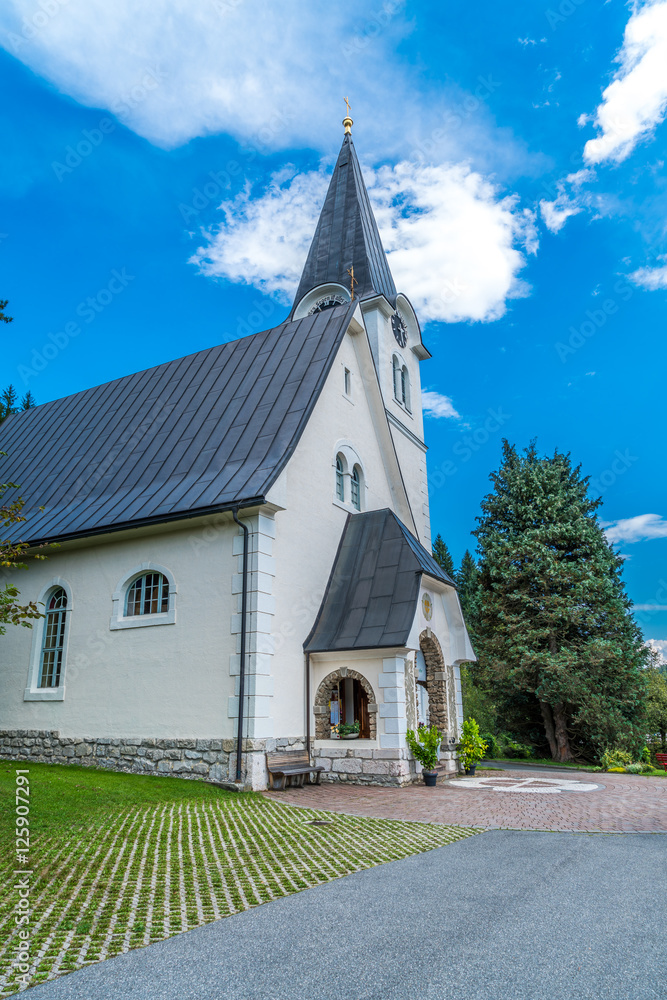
117, 861
655, 773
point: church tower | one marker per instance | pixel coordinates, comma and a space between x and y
346, 262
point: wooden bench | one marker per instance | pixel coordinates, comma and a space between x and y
284, 764
661, 760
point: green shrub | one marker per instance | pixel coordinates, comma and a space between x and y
471, 747
635, 768
516, 750
645, 756
492, 745
424, 746
612, 759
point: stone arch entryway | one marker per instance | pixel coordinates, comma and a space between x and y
323, 696
436, 681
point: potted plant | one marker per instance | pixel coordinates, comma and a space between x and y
472, 747
424, 747
348, 731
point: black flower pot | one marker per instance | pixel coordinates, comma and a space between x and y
430, 778
471, 769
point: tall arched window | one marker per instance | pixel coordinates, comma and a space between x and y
355, 488
148, 595
396, 366
340, 479
401, 382
53, 642
405, 387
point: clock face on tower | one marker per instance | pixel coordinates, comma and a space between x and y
400, 329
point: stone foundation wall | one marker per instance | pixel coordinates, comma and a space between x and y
212, 760
361, 765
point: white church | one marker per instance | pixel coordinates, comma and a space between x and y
242, 530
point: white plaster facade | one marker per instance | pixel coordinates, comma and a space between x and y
160, 693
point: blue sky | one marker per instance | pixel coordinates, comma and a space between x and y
162, 169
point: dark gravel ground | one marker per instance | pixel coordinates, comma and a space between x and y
506, 915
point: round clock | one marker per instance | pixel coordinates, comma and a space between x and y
400, 329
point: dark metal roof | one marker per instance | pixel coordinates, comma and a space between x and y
372, 594
347, 235
191, 436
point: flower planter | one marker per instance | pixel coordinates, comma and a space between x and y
470, 769
350, 736
430, 778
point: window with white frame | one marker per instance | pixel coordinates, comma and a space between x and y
340, 479
148, 595
355, 488
401, 381
52, 654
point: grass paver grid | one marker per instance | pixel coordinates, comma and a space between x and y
144, 873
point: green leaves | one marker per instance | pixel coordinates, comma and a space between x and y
553, 617
424, 746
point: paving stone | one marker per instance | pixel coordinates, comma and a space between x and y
628, 803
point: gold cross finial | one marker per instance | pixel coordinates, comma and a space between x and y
353, 281
347, 121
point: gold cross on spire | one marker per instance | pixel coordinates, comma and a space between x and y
347, 121
353, 281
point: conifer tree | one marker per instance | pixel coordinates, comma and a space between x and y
467, 583
555, 623
442, 555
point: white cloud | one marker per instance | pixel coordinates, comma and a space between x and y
651, 278
659, 645
567, 203
650, 607
454, 243
257, 70
264, 242
436, 405
641, 528
634, 103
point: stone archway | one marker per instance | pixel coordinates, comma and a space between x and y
321, 704
436, 681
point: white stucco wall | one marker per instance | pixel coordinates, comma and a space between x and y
170, 680
309, 530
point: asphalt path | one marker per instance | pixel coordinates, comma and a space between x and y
505, 915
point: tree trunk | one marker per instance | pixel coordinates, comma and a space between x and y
562, 738
547, 716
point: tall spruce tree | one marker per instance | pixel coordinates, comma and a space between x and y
554, 621
442, 555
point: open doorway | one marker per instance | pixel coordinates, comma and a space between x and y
348, 703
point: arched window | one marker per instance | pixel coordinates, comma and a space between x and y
340, 479
405, 387
53, 642
401, 382
148, 595
355, 488
396, 364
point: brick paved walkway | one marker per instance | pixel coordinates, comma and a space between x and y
628, 803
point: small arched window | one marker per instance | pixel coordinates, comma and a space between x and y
340, 479
53, 642
355, 488
148, 595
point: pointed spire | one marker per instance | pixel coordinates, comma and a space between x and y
347, 235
